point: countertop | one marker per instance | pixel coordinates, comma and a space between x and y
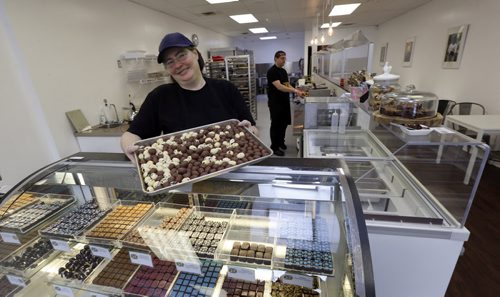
103, 132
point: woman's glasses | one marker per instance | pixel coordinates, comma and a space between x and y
180, 56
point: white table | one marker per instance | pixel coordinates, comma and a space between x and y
481, 124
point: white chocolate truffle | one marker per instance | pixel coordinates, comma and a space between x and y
186, 179
240, 156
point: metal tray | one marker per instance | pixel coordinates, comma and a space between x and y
149, 141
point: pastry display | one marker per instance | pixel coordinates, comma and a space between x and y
119, 221
152, 281
81, 265
182, 157
117, 272
410, 104
189, 284
76, 221
236, 288
383, 84
251, 253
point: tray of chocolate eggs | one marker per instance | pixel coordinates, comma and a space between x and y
172, 160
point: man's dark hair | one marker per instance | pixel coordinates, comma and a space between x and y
279, 54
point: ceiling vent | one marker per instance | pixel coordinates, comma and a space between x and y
346, 24
244, 33
208, 13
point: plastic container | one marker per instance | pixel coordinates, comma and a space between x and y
410, 104
344, 117
383, 84
334, 122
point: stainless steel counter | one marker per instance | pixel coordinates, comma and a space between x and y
103, 132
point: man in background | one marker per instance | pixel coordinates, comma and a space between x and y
278, 93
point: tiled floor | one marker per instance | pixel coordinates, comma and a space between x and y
264, 123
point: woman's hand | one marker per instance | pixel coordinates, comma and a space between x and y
249, 126
127, 143
130, 152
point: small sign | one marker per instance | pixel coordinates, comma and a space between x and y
298, 279
241, 273
60, 245
16, 280
99, 251
64, 291
97, 295
10, 238
141, 258
189, 267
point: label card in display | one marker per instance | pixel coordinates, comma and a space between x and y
97, 295
100, 251
141, 258
189, 267
16, 280
10, 237
298, 279
241, 273
60, 245
64, 291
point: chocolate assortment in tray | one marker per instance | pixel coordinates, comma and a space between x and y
203, 234
16, 203
76, 221
29, 256
81, 265
279, 289
236, 288
189, 284
181, 157
168, 223
32, 214
117, 272
6, 288
152, 282
119, 221
311, 255
251, 253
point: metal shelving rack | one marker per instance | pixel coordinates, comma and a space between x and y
239, 69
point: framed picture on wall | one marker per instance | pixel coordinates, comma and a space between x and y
408, 53
383, 53
455, 43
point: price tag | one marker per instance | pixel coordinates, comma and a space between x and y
99, 251
10, 237
189, 267
298, 279
64, 291
60, 245
141, 258
241, 273
16, 280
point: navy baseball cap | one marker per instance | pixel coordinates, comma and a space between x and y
172, 40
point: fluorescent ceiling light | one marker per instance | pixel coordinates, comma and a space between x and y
268, 37
219, 1
258, 30
244, 18
344, 9
327, 25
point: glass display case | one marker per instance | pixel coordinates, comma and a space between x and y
287, 227
416, 190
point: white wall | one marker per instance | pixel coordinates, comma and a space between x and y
476, 79
292, 44
60, 55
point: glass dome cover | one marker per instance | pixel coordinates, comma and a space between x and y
409, 104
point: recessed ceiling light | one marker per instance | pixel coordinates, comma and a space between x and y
344, 9
327, 25
219, 1
258, 30
268, 37
244, 18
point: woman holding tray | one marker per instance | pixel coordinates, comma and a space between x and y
190, 101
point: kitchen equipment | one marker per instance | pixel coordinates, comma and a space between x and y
78, 120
